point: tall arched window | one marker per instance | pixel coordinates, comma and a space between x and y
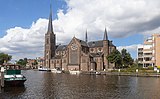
47, 41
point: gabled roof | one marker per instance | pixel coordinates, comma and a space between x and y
83, 43
95, 44
98, 44
61, 48
91, 44
111, 44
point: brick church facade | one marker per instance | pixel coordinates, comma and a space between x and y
78, 54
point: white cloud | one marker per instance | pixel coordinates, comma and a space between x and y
132, 49
129, 48
21, 42
121, 17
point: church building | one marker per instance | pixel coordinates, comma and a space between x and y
78, 54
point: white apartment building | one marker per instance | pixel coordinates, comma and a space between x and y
149, 52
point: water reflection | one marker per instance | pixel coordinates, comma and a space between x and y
40, 85
11, 92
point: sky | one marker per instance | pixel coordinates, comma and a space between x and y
23, 23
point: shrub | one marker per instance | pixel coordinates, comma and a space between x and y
158, 67
150, 68
114, 70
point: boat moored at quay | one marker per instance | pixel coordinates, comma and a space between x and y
13, 76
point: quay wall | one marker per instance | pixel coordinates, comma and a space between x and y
124, 74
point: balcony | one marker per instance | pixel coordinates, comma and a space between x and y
150, 61
140, 50
148, 43
147, 56
147, 50
140, 56
140, 62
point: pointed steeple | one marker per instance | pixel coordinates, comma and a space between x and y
86, 38
105, 35
50, 26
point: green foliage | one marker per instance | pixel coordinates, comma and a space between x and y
158, 67
4, 58
148, 68
114, 70
122, 59
126, 58
140, 65
22, 62
134, 65
130, 70
115, 57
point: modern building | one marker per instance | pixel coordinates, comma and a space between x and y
78, 54
148, 53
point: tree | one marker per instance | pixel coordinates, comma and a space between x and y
120, 59
126, 58
22, 62
115, 57
4, 58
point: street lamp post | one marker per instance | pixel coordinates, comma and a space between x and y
136, 72
157, 72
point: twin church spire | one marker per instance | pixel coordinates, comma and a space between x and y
105, 37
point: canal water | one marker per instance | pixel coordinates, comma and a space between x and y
46, 85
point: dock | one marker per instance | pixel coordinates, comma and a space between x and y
134, 74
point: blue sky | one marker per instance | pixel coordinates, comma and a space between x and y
24, 23
23, 12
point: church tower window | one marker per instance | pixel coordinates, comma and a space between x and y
47, 42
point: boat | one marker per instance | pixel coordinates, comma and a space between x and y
43, 69
13, 76
74, 72
98, 73
95, 73
56, 71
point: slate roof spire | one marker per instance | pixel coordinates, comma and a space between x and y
50, 26
86, 38
105, 35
